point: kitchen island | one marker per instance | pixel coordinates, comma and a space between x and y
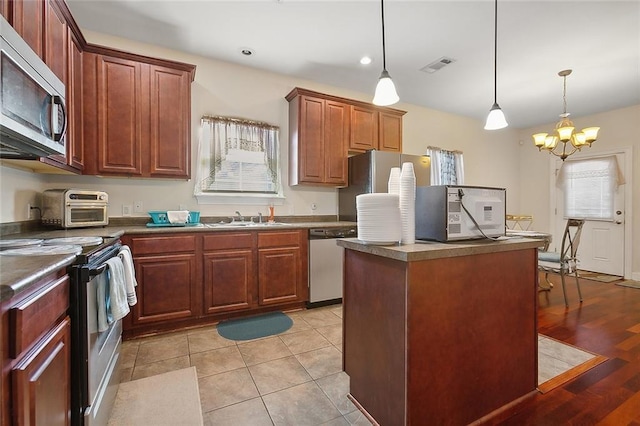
440, 333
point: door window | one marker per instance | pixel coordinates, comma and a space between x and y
589, 188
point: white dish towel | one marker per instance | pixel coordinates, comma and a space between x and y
178, 216
117, 289
102, 302
129, 274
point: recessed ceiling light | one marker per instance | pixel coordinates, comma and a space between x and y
246, 51
365, 60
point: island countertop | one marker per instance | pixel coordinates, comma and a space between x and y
425, 250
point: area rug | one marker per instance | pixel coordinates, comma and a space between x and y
255, 327
171, 398
559, 362
629, 283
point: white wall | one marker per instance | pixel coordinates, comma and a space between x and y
225, 89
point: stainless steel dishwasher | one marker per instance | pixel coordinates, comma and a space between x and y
325, 264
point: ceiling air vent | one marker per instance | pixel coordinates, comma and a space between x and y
437, 64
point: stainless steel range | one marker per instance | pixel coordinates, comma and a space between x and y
95, 354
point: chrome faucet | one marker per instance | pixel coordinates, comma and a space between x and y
239, 216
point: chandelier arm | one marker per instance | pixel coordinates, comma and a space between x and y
564, 154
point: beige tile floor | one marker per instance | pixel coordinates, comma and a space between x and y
294, 378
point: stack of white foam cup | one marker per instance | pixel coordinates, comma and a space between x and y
393, 186
407, 201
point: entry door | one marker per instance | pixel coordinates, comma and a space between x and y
602, 244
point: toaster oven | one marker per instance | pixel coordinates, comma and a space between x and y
74, 208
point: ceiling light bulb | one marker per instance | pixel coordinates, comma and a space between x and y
495, 119
385, 91
365, 60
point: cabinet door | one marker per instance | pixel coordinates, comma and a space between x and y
229, 280
166, 289
75, 146
28, 21
364, 129
4, 10
121, 103
311, 140
336, 139
41, 381
55, 52
279, 275
390, 132
170, 141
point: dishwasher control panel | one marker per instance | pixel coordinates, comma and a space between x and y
343, 232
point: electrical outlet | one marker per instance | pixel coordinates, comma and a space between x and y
137, 207
126, 210
28, 211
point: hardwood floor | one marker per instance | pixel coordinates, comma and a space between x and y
607, 323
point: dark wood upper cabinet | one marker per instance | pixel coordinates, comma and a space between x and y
364, 128
323, 129
28, 19
319, 130
137, 113
390, 131
56, 46
75, 146
120, 108
170, 136
4, 10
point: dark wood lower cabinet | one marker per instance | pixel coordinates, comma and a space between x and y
189, 279
165, 288
36, 354
41, 384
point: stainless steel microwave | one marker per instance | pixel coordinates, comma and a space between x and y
33, 119
456, 212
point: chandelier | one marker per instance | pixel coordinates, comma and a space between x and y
564, 131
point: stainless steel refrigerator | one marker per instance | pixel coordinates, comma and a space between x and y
369, 172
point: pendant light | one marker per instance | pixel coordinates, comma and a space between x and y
385, 90
495, 119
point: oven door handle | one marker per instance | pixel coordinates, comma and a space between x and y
97, 271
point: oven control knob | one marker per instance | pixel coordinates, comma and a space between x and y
102, 197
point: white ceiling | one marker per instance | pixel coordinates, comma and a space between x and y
323, 41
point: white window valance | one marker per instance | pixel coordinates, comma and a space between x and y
237, 159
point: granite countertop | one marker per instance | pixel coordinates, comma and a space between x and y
217, 227
425, 250
17, 273
20, 272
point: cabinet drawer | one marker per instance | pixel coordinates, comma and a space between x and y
279, 239
36, 315
228, 240
163, 245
